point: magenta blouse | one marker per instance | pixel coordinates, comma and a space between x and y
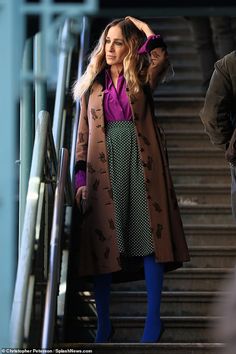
116, 106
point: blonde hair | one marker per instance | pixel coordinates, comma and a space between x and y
135, 65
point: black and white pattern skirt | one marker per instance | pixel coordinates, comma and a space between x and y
132, 219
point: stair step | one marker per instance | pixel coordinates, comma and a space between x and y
205, 214
197, 279
178, 329
185, 64
185, 67
175, 41
203, 194
186, 278
187, 138
184, 76
188, 84
193, 214
177, 105
179, 37
212, 257
179, 52
211, 235
174, 89
173, 121
190, 174
183, 100
137, 348
182, 279
182, 68
174, 303
183, 79
198, 156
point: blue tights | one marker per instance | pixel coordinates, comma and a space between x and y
154, 279
102, 284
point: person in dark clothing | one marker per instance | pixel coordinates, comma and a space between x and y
219, 113
213, 38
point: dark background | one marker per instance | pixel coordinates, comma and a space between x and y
151, 3
165, 3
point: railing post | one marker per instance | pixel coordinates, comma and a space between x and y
84, 43
39, 72
11, 25
65, 45
55, 249
28, 233
26, 131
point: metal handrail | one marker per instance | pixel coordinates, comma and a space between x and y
20, 316
40, 85
33, 59
66, 43
55, 251
84, 46
26, 132
27, 240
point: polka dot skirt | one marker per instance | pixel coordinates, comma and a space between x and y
132, 221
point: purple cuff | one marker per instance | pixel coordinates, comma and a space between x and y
153, 41
80, 179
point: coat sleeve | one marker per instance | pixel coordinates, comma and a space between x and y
216, 112
159, 65
82, 138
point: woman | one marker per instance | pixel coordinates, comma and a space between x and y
131, 221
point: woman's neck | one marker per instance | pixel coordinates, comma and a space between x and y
116, 70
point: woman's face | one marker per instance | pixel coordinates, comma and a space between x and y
115, 47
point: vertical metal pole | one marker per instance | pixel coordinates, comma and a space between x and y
26, 132
10, 47
46, 232
61, 84
55, 247
39, 72
28, 233
84, 42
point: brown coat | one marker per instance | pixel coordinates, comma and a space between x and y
98, 250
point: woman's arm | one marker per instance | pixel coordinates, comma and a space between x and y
156, 48
81, 153
158, 66
142, 26
82, 136
82, 143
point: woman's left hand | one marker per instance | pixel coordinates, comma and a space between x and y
142, 26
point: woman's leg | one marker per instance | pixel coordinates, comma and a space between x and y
154, 280
102, 285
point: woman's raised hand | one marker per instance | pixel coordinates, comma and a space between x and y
142, 26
